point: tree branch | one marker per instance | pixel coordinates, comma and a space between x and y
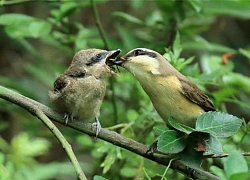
33, 107
106, 135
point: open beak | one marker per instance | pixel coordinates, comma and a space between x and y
111, 57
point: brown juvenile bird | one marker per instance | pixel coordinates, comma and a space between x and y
79, 91
172, 94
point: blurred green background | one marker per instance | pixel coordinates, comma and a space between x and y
38, 40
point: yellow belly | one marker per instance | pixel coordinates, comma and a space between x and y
166, 95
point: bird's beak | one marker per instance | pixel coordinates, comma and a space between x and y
119, 61
112, 56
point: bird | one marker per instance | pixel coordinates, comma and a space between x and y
79, 91
171, 93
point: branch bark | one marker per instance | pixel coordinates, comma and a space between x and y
34, 108
106, 135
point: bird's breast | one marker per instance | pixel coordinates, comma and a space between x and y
82, 97
166, 95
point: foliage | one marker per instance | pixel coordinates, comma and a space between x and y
206, 41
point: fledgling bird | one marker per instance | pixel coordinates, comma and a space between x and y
172, 94
79, 91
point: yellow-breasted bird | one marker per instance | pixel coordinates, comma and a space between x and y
172, 94
79, 91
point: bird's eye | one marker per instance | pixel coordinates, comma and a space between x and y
138, 52
97, 57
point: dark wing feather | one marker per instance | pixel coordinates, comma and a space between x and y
63, 80
194, 94
60, 83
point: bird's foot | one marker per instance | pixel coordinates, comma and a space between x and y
98, 126
68, 118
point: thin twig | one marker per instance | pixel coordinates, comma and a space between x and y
99, 25
106, 135
225, 155
64, 142
106, 46
34, 108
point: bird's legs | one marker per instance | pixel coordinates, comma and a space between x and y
68, 118
98, 126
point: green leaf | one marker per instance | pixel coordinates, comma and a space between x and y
202, 44
241, 176
23, 145
132, 115
171, 142
235, 163
218, 124
245, 53
19, 25
113, 154
196, 5
128, 17
237, 80
81, 39
191, 158
213, 146
129, 172
218, 172
32, 29
158, 130
12, 18
232, 8
68, 8
180, 127
99, 178
176, 46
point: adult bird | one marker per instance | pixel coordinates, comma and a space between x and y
172, 94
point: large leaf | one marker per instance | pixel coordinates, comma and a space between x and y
213, 146
180, 127
19, 25
158, 130
12, 18
218, 124
171, 142
191, 158
235, 163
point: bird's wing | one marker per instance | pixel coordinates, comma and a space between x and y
63, 80
194, 94
60, 83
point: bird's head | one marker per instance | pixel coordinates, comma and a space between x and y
141, 60
93, 61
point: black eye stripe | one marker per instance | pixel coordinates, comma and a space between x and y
139, 52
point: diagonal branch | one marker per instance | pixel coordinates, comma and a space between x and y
106, 135
33, 107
